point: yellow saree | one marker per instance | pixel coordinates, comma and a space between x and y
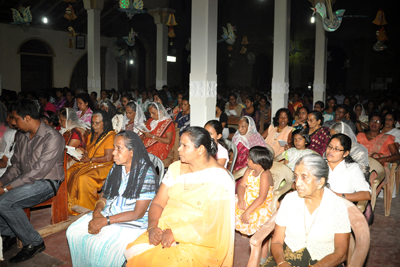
201, 217
84, 180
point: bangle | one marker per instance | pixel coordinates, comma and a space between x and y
108, 220
154, 226
230, 162
281, 263
343, 195
102, 201
153, 137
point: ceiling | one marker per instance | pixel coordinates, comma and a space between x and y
113, 22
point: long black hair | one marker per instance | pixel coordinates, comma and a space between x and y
112, 110
107, 125
218, 129
141, 164
162, 95
86, 99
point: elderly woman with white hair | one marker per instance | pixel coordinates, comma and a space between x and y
312, 226
358, 152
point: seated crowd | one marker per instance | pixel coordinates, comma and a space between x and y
187, 216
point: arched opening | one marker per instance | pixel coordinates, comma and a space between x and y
79, 76
337, 68
262, 72
36, 65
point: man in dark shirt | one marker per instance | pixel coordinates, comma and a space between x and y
341, 111
35, 175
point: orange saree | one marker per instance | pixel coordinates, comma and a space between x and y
84, 180
156, 148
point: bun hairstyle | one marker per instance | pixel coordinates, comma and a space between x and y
316, 165
318, 116
218, 129
262, 156
303, 133
345, 142
200, 137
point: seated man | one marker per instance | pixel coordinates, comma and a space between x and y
341, 111
35, 175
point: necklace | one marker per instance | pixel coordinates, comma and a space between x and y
305, 226
194, 182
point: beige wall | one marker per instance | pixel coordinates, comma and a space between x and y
64, 60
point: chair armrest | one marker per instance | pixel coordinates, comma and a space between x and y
278, 193
361, 205
233, 120
279, 157
257, 239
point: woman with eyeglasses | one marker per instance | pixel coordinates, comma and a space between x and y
345, 176
380, 146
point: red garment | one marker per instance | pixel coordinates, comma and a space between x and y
156, 148
50, 107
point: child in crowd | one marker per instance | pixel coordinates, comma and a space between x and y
51, 119
255, 191
300, 141
214, 127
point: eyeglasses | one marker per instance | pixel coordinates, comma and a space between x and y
376, 121
334, 148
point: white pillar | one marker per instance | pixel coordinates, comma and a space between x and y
93, 44
280, 76
160, 16
320, 61
203, 65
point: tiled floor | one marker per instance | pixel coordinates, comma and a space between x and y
384, 251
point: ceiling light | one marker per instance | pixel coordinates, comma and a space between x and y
171, 59
44, 19
131, 61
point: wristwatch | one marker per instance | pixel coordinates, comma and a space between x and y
5, 190
343, 195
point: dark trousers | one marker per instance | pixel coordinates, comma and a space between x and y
13, 220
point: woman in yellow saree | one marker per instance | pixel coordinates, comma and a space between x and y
86, 177
192, 218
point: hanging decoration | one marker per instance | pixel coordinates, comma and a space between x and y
229, 34
130, 39
380, 18
381, 36
70, 43
171, 23
71, 32
22, 16
131, 7
119, 54
331, 20
251, 58
244, 43
69, 13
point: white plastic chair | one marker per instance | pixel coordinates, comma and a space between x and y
158, 163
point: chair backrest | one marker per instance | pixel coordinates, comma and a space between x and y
158, 164
270, 149
375, 166
279, 173
232, 146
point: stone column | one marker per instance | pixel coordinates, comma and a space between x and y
160, 16
203, 64
280, 76
93, 43
320, 61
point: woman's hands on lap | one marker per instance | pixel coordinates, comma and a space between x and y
167, 238
155, 236
242, 204
96, 224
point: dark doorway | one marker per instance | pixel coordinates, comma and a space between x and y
262, 72
80, 74
185, 68
36, 66
337, 69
